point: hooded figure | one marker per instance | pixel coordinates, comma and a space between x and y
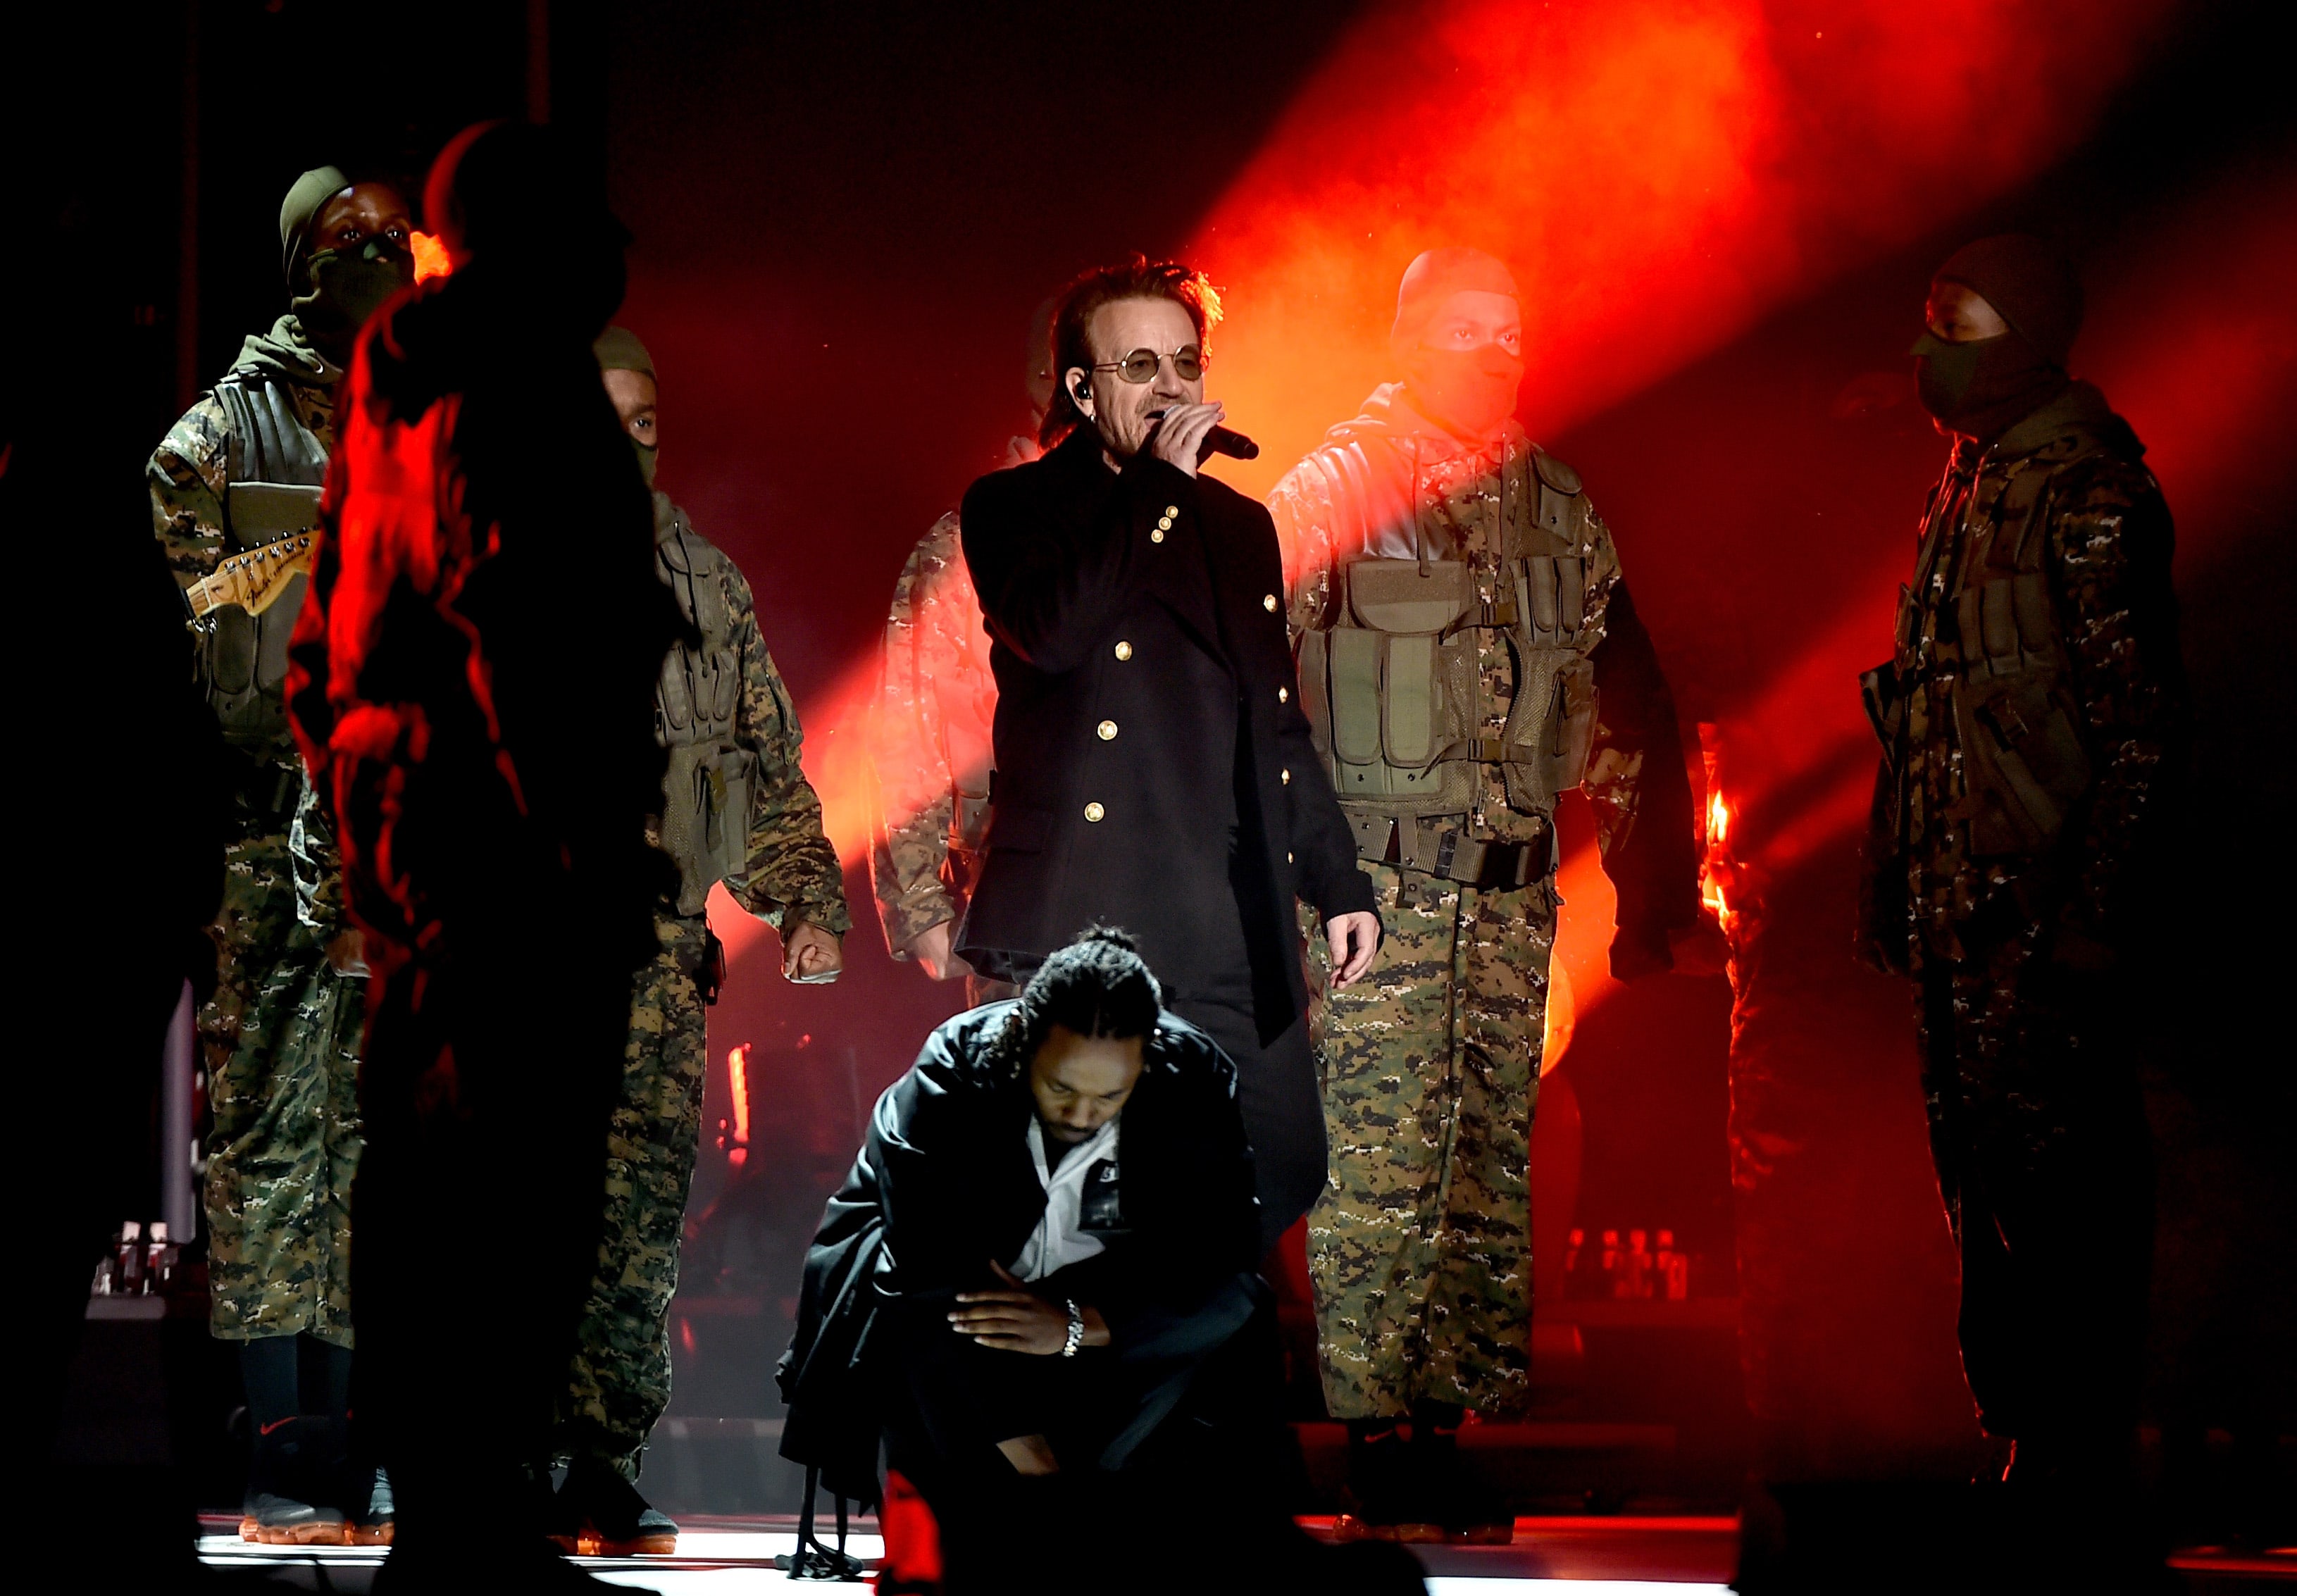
2033, 725
473, 688
236, 482
1468, 654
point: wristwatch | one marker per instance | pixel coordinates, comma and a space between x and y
1076, 1329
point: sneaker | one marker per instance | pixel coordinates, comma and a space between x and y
616, 1520
283, 1521
376, 1522
290, 1461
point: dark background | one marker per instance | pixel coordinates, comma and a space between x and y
844, 217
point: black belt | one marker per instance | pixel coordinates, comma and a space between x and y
1484, 863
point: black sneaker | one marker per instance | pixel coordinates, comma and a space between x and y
617, 1521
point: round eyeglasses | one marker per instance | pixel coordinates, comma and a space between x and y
1141, 365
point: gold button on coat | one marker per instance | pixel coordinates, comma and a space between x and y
1124, 651
1287, 775
1268, 603
1108, 730
1283, 694
1172, 509
1093, 811
1287, 859
1155, 537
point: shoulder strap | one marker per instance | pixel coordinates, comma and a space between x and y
269, 441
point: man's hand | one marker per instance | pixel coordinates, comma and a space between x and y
1353, 939
931, 950
1020, 1321
347, 953
810, 956
1181, 436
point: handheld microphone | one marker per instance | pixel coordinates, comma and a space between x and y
1227, 440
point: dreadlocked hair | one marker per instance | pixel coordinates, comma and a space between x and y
1097, 986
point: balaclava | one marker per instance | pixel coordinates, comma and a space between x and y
1982, 389
618, 349
332, 291
1469, 392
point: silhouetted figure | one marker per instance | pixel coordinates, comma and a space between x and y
2034, 728
473, 686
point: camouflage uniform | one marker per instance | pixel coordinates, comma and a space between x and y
1420, 1249
787, 872
2033, 719
930, 743
280, 1036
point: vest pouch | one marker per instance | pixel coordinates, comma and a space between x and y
733, 793
1355, 678
1999, 626
1408, 703
2024, 766
1573, 736
672, 698
1414, 606
1396, 595
231, 646
243, 663
1314, 669
1550, 599
2029, 608
264, 512
705, 816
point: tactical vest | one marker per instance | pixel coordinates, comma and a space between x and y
1393, 688
707, 790
275, 471
1990, 651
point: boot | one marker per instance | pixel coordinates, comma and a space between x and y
616, 1520
1382, 1500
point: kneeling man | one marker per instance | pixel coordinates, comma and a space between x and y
1048, 1239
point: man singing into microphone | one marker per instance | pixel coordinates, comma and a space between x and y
1153, 768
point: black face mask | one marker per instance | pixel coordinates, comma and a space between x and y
347, 287
1983, 388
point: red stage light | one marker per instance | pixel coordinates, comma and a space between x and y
430, 256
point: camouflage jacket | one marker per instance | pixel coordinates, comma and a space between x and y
188, 475
2033, 715
1400, 468
791, 870
930, 742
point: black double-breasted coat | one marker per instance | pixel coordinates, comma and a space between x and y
1153, 768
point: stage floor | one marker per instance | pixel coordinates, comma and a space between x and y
1592, 1556
724, 1557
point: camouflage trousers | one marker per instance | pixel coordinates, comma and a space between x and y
1420, 1249
621, 1369
281, 1041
